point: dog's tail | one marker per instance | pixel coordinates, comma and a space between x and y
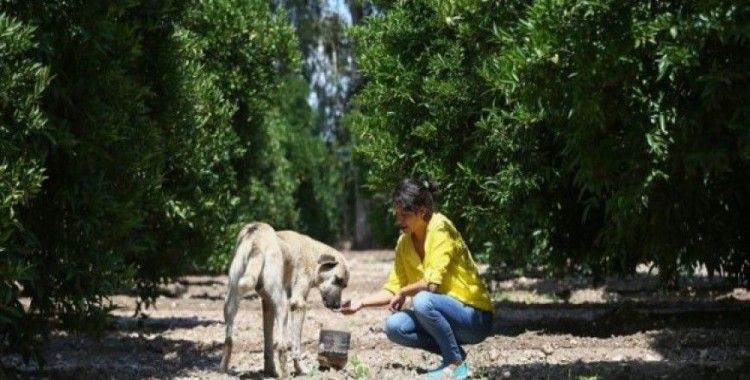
246, 257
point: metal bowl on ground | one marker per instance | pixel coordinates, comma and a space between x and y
333, 350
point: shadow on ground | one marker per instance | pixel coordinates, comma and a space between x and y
153, 325
121, 355
695, 339
254, 375
604, 320
616, 370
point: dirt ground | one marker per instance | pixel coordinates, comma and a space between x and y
544, 329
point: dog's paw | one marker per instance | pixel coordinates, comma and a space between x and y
270, 372
298, 368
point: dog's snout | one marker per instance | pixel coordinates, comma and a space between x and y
333, 304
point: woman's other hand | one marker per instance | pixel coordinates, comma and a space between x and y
397, 301
350, 307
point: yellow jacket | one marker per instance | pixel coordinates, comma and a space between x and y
447, 262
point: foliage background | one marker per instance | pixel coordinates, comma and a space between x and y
137, 136
568, 136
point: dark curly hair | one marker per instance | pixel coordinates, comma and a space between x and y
413, 195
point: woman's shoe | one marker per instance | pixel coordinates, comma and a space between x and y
462, 371
438, 373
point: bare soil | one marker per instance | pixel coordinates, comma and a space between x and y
544, 329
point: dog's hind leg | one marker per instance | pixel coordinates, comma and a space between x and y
268, 363
243, 276
281, 314
275, 311
230, 310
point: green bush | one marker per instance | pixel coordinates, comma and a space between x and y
155, 139
23, 137
581, 135
314, 163
421, 108
248, 51
283, 171
189, 216
101, 163
645, 102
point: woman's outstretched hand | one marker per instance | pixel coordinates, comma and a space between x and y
350, 307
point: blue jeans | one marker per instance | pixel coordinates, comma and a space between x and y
439, 324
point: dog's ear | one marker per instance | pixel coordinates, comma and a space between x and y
326, 262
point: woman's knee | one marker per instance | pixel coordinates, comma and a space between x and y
423, 302
393, 326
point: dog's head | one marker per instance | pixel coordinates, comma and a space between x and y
333, 276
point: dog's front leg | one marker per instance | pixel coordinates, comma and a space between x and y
298, 318
297, 310
275, 317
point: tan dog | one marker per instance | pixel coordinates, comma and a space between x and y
282, 267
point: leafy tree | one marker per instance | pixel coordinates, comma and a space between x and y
648, 138
567, 135
99, 160
314, 163
154, 139
23, 138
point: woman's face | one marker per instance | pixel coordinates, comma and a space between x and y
409, 221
